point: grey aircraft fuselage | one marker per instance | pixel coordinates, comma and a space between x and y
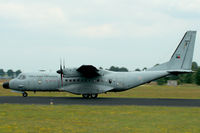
89, 81
118, 81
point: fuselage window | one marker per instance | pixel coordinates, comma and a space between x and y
97, 80
70, 80
74, 80
110, 81
66, 80
78, 80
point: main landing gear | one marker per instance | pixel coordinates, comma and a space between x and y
88, 96
24, 94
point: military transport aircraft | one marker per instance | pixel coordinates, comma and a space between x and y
89, 81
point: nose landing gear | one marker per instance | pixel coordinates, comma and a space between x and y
24, 94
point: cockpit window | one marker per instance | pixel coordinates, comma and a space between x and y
18, 76
21, 77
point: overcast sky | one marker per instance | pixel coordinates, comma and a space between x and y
34, 34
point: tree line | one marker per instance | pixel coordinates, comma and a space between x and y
10, 73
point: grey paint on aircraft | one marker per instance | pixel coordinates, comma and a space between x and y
89, 80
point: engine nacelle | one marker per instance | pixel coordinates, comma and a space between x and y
68, 73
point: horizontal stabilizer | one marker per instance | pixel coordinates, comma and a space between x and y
179, 71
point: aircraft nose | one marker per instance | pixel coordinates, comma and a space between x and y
6, 85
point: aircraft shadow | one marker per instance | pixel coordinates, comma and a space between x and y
101, 101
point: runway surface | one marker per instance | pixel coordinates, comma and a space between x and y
100, 101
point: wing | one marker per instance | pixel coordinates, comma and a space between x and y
86, 89
88, 71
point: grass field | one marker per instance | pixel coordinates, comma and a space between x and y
91, 119
107, 119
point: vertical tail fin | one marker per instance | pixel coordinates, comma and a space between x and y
183, 56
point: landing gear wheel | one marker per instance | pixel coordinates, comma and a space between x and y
94, 96
86, 96
24, 94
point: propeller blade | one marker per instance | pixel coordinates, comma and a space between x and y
61, 73
61, 80
64, 63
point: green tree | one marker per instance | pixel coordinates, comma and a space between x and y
123, 69
144, 69
162, 81
189, 78
10, 73
137, 70
197, 77
18, 72
117, 69
2, 73
194, 66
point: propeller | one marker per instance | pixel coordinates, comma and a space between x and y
61, 72
64, 63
